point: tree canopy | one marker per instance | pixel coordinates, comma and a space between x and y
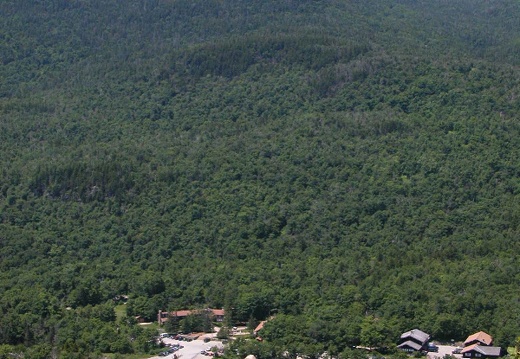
350, 168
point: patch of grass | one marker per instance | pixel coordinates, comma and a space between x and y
153, 325
120, 311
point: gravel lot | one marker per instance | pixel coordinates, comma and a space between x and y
443, 350
191, 349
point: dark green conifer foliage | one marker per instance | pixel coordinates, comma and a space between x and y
348, 168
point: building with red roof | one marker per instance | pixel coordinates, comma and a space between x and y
216, 315
481, 338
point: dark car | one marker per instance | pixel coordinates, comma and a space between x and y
457, 350
433, 348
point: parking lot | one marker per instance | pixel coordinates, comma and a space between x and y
443, 350
192, 349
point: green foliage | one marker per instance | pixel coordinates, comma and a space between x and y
223, 333
6, 351
377, 332
285, 160
196, 323
172, 325
234, 56
142, 306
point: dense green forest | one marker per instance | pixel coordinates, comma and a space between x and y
351, 168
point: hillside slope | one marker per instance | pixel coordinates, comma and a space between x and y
352, 167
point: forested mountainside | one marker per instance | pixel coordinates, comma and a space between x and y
350, 168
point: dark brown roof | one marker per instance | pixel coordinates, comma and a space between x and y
483, 349
411, 344
416, 334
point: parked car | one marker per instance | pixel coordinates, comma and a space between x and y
457, 350
433, 348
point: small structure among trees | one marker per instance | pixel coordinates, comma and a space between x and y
480, 338
413, 340
190, 320
216, 315
478, 345
481, 351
